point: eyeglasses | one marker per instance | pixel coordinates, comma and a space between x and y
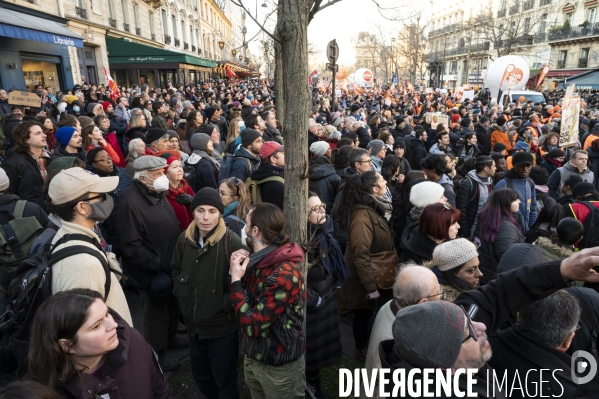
440, 294
104, 160
471, 330
368, 161
318, 208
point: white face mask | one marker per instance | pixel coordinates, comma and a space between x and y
160, 184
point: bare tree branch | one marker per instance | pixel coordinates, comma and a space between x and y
239, 3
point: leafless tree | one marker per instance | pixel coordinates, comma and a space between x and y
409, 52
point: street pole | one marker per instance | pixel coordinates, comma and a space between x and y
332, 54
468, 60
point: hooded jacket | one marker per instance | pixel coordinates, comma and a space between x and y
449, 193
473, 193
527, 195
415, 245
552, 251
272, 298
324, 182
417, 153
363, 137
559, 176
129, 371
244, 164
272, 192
201, 281
272, 134
483, 138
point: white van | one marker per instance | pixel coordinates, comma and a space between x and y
513, 97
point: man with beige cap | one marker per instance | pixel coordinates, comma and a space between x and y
80, 199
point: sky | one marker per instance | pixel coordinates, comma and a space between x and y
342, 21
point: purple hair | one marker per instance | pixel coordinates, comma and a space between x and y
497, 209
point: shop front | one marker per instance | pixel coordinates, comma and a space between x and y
224, 68
30, 56
132, 63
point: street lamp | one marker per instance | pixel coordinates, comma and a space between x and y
240, 57
234, 52
221, 45
264, 5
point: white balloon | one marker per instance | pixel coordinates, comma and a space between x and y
507, 72
364, 77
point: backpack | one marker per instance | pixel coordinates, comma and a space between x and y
591, 227
30, 287
255, 190
16, 238
227, 164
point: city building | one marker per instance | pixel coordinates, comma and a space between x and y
374, 55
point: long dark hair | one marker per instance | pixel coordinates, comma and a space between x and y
357, 191
497, 209
390, 168
58, 318
451, 277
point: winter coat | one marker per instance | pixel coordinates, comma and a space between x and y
9, 201
136, 133
129, 168
417, 153
463, 152
269, 305
201, 281
483, 138
557, 178
25, 178
324, 182
368, 234
222, 126
415, 245
113, 141
527, 195
552, 251
206, 171
500, 136
490, 252
449, 192
182, 212
594, 160
363, 137
272, 134
61, 152
244, 165
550, 166
514, 351
473, 193
272, 192
130, 370
148, 229
86, 271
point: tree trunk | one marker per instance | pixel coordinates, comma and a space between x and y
279, 81
292, 29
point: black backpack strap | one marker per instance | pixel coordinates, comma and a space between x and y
12, 241
64, 253
79, 237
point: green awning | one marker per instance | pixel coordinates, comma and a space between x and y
121, 51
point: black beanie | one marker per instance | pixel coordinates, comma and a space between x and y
248, 136
208, 196
465, 122
354, 108
498, 147
501, 121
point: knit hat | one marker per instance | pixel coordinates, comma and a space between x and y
319, 148
153, 135
375, 146
199, 141
498, 147
556, 153
521, 145
247, 102
501, 121
61, 163
170, 156
465, 122
426, 193
4, 182
453, 253
399, 143
207, 196
455, 118
105, 105
429, 335
64, 135
172, 133
522, 158
209, 112
269, 148
148, 162
354, 108
583, 188
248, 136
596, 128
337, 122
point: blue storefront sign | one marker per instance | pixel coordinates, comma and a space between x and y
38, 36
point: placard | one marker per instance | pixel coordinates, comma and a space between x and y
25, 99
468, 94
435, 119
569, 129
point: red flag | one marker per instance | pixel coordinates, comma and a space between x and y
113, 88
232, 75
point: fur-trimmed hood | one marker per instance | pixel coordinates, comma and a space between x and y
553, 251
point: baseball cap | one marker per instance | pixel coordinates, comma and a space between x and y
73, 183
269, 148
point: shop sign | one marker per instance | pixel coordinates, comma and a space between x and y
25, 99
146, 59
63, 41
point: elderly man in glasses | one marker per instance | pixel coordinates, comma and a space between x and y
442, 335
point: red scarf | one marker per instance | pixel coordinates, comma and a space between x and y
181, 189
554, 161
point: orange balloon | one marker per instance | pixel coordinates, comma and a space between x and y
341, 74
475, 87
465, 86
522, 99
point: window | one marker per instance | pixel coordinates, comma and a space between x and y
569, 17
584, 58
526, 25
79, 3
184, 29
152, 29
503, 5
591, 16
124, 11
136, 16
563, 54
110, 10
453, 68
512, 29
164, 24
174, 21
543, 23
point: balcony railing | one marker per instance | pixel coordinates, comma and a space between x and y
501, 13
112, 22
528, 5
514, 9
138, 31
81, 12
153, 3
545, 2
583, 62
185, 46
125, 27
167, 39
446, 29
561, 64
193, 48
574, 32
177, 42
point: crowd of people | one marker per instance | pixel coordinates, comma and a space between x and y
177, 195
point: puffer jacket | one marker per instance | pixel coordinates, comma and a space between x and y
490, 252
324, 182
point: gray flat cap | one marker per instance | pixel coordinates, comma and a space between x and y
149, 162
